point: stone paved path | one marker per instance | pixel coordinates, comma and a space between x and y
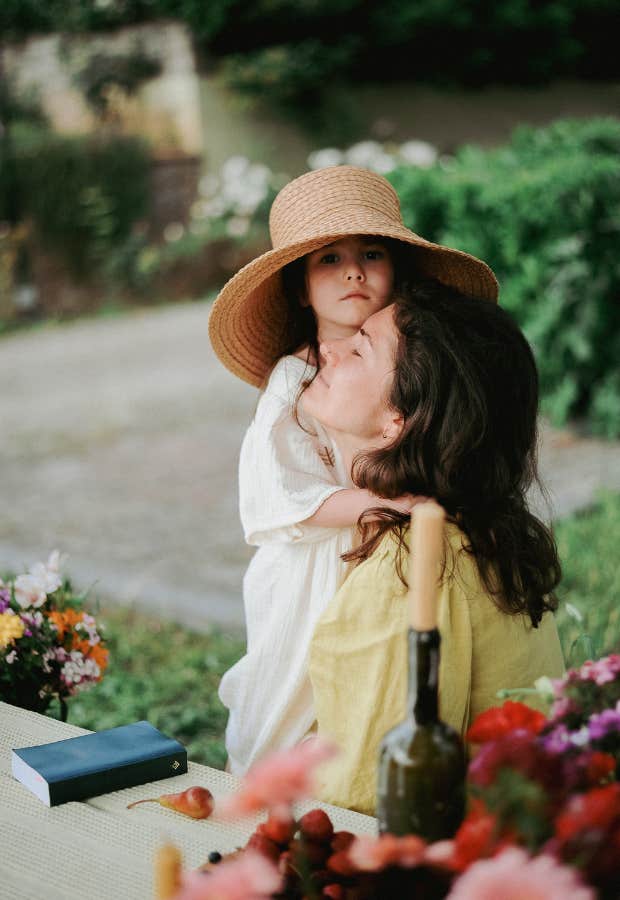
119, 441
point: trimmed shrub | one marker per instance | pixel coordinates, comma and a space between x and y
544, 212
83, 194
447, 42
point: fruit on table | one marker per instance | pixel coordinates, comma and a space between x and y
196, 802
316, 826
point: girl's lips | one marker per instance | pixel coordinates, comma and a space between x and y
358, 294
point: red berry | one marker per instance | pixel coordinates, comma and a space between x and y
263, 845
342, 840
341, 864
316, 826
278, 830
333, 891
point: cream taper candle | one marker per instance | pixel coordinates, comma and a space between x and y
427, 549
167, 871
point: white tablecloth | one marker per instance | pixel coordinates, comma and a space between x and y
98, 849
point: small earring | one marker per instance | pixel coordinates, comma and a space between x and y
385, 435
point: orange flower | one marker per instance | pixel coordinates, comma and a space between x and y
66, 620
96, 652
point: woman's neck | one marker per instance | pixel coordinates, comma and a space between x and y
349, 447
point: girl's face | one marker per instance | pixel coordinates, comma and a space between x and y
349, 393
346, 282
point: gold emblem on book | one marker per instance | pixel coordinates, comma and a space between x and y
176, 764
327, 457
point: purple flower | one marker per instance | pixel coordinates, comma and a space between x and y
602, 724
557, 741
5, 599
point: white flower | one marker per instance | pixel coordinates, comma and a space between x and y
174, 231
42, 579
208, 185
383, 163
237, 226
234, 168
580, 738
418, 153
329, 156
77, 671
11, 656
364, 153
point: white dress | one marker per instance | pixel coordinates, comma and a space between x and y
285, 474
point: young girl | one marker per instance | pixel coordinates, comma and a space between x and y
340, 248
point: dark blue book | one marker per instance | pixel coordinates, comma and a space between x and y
98, 763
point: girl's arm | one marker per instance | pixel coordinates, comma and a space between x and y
343, 508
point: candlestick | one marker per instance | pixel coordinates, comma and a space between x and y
426, 556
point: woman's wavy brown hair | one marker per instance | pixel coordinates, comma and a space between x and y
466, 383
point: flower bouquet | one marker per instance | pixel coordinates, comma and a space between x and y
50, 647
543, 818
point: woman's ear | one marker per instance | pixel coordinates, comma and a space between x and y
393, 427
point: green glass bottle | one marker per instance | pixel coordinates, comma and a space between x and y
422, 765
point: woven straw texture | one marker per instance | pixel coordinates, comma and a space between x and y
98, 849
248, 324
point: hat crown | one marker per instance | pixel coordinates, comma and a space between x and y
333, 201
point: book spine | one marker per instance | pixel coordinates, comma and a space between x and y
116, 779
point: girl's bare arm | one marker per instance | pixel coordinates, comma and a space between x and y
343, 508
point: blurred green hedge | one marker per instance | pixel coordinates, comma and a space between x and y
544, 212
439, 41
82, 194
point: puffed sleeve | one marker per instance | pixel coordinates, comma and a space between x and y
282, 478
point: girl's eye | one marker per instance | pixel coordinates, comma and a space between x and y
329, 258
375, 254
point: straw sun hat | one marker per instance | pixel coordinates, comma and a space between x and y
248, 325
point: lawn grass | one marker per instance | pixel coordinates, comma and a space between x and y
165, 673
589, 548
169, 675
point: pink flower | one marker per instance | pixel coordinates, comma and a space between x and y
373, 854
513, 875
602, 671
248, 877
279, 780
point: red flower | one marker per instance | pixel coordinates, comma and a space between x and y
599, 767
501, 720
596, 810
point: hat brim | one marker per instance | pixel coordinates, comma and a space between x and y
248, 325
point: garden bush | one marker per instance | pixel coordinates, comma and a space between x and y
544, 212
445, 42
82, 194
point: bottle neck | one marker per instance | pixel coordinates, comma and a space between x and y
424, 675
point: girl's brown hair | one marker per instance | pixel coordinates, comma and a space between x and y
466, 383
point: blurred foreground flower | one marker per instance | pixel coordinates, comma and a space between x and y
513, 875
248, 877
280, 780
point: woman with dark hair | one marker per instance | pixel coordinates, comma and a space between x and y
436, 395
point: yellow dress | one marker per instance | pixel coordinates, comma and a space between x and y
359, 661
